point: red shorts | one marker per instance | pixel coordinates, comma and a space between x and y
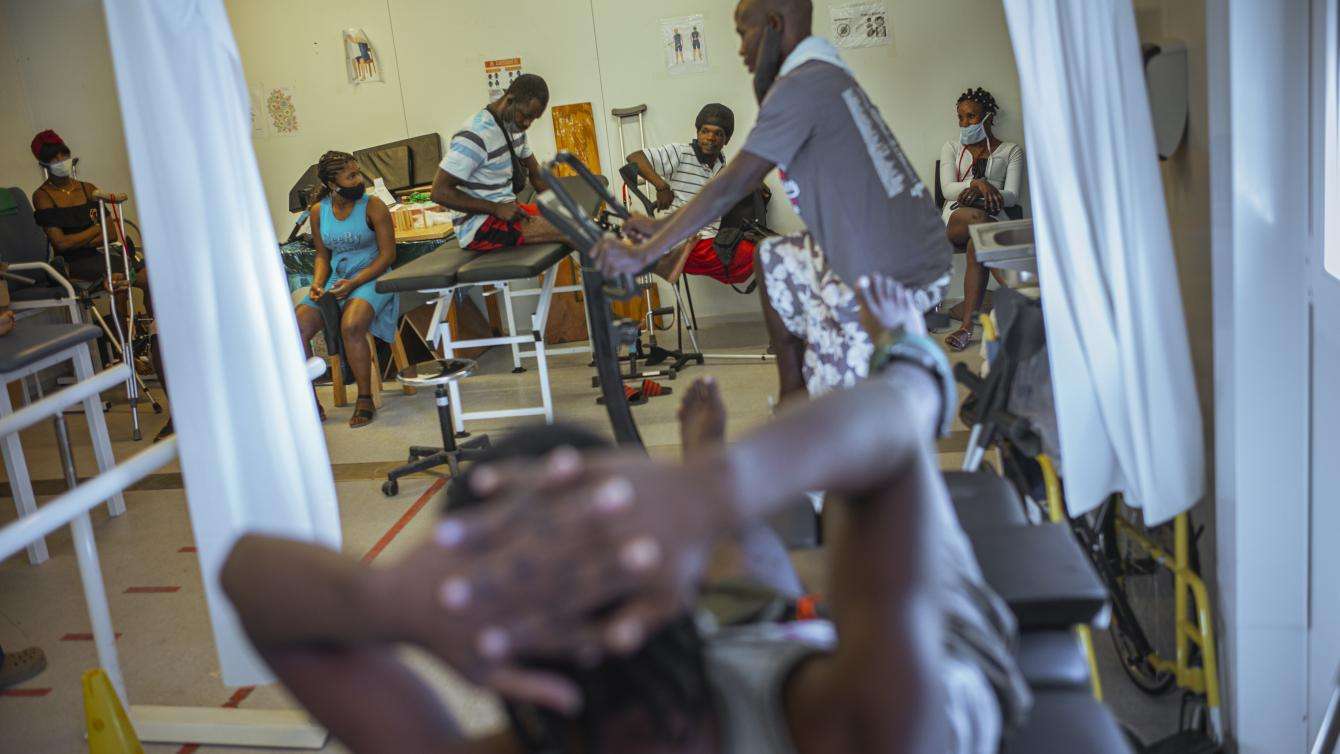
703, 260
498, 234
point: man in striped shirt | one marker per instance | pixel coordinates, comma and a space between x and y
485, 167
678, 172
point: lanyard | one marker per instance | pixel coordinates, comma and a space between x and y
959, 173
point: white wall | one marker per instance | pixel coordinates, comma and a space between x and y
65, 73
16, 161
298, 43
1259, 58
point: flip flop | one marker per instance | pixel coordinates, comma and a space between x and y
18, 667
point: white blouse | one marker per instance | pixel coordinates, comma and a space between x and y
1004, 170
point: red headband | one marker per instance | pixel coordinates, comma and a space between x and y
46, 137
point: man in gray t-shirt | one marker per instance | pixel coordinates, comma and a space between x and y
865, 209
846, 175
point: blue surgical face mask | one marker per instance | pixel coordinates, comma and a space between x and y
974, 133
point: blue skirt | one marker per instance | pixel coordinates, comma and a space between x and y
385, 306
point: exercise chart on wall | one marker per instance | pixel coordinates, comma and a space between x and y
684, 44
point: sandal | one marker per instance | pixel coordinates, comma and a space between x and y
960, 339
364, 411
18, 667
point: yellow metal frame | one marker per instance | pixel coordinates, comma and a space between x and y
1186, 582
1056, 512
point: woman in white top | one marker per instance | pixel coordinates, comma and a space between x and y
980, 176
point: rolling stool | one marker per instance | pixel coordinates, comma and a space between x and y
437, 374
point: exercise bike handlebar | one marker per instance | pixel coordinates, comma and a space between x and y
572, 161
630, 175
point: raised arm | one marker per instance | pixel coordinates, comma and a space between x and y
327, 626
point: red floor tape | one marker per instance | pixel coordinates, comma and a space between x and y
81, 637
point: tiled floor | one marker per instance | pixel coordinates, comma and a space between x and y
154, 583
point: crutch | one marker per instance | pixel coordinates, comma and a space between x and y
110, 205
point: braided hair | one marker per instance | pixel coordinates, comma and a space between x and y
981, 97
328, 169
665, 681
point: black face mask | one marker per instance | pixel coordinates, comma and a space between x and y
769, 62
352, 193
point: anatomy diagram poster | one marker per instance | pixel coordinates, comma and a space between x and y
860, 24
684, 42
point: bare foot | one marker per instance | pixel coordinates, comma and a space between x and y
702, 417
887, 305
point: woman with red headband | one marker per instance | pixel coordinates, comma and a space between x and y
67, 210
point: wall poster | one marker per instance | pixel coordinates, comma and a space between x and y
499, 74
684, 44
864, 24
361, 60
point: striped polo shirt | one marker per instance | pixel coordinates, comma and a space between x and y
679, 166
477, 156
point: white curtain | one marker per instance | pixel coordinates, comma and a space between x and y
1125, 396
252, 452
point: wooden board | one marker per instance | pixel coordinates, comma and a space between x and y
575, 131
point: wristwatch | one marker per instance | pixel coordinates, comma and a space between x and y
900, 345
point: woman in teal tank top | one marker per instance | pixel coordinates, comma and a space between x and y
355, 245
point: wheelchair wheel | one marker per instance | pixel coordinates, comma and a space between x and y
1143, 601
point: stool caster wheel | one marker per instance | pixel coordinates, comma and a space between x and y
673, 374
519, 370
158, 408
390, 488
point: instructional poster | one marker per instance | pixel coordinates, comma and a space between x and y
863, 24
500, 74
361, 61
684, 43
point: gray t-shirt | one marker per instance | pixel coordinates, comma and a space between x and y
848, 178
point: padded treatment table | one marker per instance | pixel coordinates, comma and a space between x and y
443, 271
1068, 722
1041, 573
29, 349
983, 499
1053, 660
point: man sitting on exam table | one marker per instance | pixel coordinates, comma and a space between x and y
566, 591
487, 164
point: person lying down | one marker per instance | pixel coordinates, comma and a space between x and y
564, 573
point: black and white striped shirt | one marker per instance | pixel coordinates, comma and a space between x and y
679, 166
